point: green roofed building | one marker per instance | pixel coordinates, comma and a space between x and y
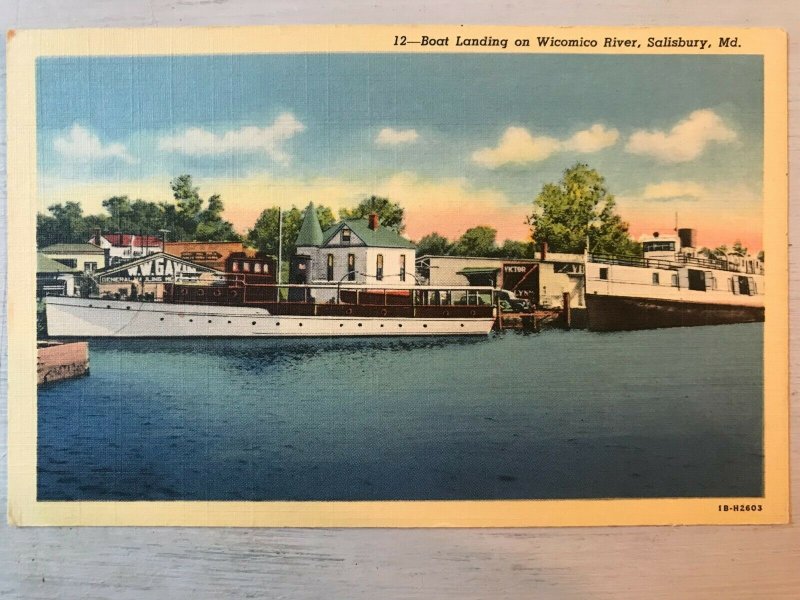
53, 278
353, 250
78, 257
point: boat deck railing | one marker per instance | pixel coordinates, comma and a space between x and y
680, 261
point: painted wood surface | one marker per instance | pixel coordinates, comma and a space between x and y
663, 562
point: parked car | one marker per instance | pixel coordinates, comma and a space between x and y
511, 303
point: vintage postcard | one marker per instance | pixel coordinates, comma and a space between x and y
398, 276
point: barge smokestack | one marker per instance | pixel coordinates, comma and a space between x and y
688, 238
544, 251
373, 221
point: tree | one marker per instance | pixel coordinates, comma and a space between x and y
390, 214
69, 223
211, 226
516, 249
739, 249
761, 256
477, 241
577, 206
120, 211
433, 244
47, 230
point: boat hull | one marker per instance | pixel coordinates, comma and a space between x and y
93, 317
622, 313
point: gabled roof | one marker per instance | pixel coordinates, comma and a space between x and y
72, 249
126, 240
310, 233
154, 257
45, 264
382, 237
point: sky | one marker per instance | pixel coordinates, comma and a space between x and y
458, 140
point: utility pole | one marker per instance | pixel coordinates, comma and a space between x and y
280, 245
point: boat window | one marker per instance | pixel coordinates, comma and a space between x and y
603, 272
379, 267
655, 279
752, 282
660, 246
330, 267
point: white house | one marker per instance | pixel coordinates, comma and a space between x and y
352, 251
122, 247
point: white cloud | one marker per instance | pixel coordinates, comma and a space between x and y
82, 145
394, 137
668, 191
201, 142
594, 139
519, 146
685, 141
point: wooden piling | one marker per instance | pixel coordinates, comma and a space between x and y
567, 310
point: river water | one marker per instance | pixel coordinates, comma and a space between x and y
665, 413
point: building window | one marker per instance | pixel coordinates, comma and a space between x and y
330, 267
402, 267
655, 279
257, 267
674, 278
89, 267
346, 234
72, 263
351, 267
603, 272
379, 268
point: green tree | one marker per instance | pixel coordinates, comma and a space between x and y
739, 249
211, 226
69, 222
47, 230
433, 244
477, 241
120, 213
721, 252
577, 206
516, 249
186, 219
390, 214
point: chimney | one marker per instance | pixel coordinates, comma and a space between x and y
373, 221
544, 250
96, 236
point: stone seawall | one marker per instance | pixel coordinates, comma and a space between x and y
56, 361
